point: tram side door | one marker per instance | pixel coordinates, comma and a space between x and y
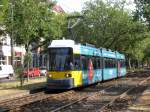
84, 64
87, 70
90, 70
118, 64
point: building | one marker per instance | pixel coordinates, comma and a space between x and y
58, 9
5, 51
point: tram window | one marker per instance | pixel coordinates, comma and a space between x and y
94, 60
122, 63
68, 63
84, 63
110, 63
106, 63
114, 63
98, 63
101, 63
77, 63
60, 59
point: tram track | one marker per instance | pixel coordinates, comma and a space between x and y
138, 87
88, 99
19, 104
16, 103
80, 105
81, 98
93, 101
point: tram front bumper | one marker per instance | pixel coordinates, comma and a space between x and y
65, 83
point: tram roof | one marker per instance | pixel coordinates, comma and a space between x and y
87, 50
108, 53
62, 43
120, 56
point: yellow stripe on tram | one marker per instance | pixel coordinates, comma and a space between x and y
76, 75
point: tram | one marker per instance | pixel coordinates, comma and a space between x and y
74, 65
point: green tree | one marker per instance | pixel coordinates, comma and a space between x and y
109, 25
3, 8
143, 11
29, 22
33, 20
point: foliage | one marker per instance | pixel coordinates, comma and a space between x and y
57, 25
30, 21
112, 27
27, 63
33, 20
19, 74
143, 14
27, 59
3, 8
143, 11
105, 24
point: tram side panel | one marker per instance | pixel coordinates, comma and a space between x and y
121, 68
91, 71
97, 69
110, 69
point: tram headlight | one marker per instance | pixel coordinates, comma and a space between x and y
68, 75
49, 75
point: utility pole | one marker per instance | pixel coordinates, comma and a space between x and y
11, 39
72, 25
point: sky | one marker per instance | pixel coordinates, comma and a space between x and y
77, 5
71, 5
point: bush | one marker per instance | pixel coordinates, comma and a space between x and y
19, 74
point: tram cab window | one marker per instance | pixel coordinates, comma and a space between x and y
60, 59
68, 64
77, 62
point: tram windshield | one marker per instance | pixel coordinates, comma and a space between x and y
61, 59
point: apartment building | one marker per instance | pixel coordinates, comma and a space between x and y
5, 51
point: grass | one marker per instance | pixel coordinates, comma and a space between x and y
135, 70
32, 83
14, 87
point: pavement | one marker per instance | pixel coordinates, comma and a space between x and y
14, 94
3, 80
142, 104
9, 90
